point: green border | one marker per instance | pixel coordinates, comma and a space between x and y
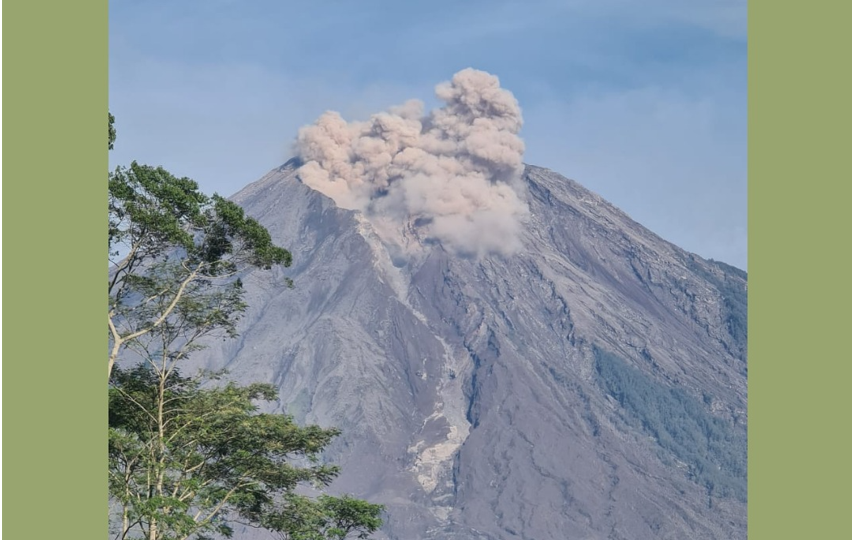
55, 96
799, 292
54, 195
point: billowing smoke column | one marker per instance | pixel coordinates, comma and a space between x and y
453, 175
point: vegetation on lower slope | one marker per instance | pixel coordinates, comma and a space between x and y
713, 450
734, 299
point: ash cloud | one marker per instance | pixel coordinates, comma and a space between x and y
452, 176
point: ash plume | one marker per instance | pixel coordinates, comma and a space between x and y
452, 176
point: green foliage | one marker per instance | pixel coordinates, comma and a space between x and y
189, 461
175, 255
714, 450
325, 518
111, 130
152, 212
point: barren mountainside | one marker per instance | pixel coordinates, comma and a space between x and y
592, 385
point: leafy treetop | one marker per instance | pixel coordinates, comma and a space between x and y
173, 251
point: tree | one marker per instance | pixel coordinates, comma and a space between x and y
192, 462
188, 461
111, 130
326, 518
174, 258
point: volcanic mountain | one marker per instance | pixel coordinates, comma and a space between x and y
591, 384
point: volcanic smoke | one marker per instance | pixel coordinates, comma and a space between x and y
453, 175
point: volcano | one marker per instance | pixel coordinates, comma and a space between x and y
590, 384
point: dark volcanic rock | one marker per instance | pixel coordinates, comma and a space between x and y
591, 386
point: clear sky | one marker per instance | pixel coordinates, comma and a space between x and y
642, 102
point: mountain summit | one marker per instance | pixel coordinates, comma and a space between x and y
588, 383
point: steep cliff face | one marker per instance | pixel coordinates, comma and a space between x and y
593, 385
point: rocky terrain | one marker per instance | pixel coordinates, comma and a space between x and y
590, 386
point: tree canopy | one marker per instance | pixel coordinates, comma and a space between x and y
189, 462
175, 257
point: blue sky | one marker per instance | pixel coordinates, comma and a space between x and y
641, 102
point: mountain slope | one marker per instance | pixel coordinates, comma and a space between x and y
593, 385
